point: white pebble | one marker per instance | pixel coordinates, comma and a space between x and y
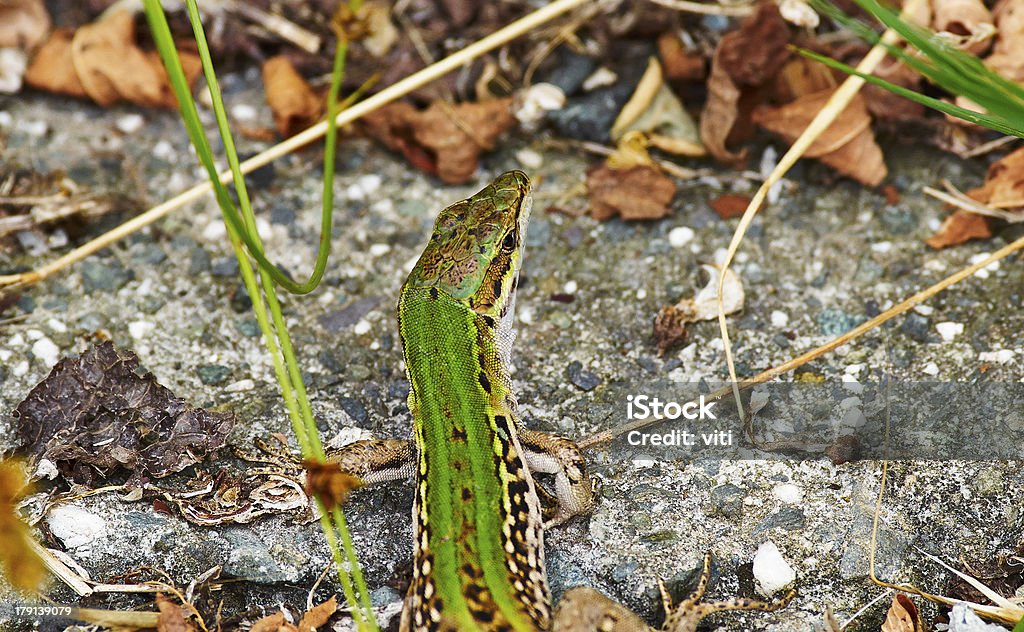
771, 571
570, 287
1001, 356
56, 326
370, 183
139, 329
240, 385
533, 104
20, 368
599, 78
163, 150
680, 236
881, 246
362, 327
130, 123
6, 120
931, 369
33, 128
924, 310
949, 330
243, 112
525, 315
788, 493
34, 334
16, 340
984, 272
378, 250
779, 319
641, 294
47, 352
5, 355
215, 230
75, 526
13, 63
530, 159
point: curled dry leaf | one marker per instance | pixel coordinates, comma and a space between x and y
634, 193
902, 615
655, 111
99, 412
1007, 56
967, 19
960, 227
106, 65
444, 139
680, 64
1004, 183
327, 482
23, 24
22, 567
273, 623
744, 60
294, 104
172, 616
670, 323
318, 615
800, 76
848, 145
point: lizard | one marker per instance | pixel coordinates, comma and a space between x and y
478, 515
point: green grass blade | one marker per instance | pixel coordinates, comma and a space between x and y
992, 122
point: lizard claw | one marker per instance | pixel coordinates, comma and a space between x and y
685, 616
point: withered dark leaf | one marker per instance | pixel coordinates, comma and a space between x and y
98, 412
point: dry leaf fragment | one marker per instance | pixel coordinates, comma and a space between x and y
655, 111
1004, 183
744, 59
848, 145
679, 63
318, 615
670, 323
444, 139
634, 193
960, 227
1007, 56
107, 65
22, 567
730, 205
172, 616
902, 615
23, 24
294, 104
968, 19
273, 623
328, 483
99, 412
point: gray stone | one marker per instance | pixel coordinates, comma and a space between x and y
726, 500
833, 322
104, 275
213, 374
582, 378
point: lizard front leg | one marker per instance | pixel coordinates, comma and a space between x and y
551, 454
584, 609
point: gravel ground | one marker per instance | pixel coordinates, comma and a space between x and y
824, 257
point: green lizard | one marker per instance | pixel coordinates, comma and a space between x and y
479, 529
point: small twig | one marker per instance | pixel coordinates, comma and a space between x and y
961, 201
738, 11
374, 102
991, 145
278, 25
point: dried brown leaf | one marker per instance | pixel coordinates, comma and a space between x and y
964, 18
273, 623
292, 101
23, 568
1004, 183
902, 615
107, 65
328, 483
679, 63
444, 139
958, 228
634, 193
848, 145
98, 412
172, 616
670, 328
51, 69
1007, 56
319, 615
730, 205
23, 24
744, 60
800, 76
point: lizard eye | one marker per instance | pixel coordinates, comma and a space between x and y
509, 243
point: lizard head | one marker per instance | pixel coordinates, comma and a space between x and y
476, 248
